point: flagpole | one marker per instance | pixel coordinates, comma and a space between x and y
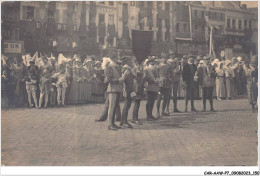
210, 40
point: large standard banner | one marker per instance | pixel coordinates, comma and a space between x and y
141, 44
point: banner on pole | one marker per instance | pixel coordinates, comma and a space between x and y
141, 44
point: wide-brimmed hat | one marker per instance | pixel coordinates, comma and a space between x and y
87, 60
170, 61
201, 62
31, 60
175, 60
125, 58
199, 58
227, 62
97, 62
185, 57
190, 59
254, 59
44, 57
239, 59
150, 59
77, 60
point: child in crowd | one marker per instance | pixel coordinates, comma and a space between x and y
5, 86
45, 86
61, 85
31, 88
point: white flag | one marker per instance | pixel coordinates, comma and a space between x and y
61, 59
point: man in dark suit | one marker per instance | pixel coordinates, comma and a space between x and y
188, 75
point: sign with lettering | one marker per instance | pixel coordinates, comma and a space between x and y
13, 46
106, 10
237, 46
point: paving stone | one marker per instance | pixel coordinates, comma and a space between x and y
70, 137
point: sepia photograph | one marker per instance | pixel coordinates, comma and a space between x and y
129, 83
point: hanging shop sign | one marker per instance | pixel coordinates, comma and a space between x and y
13, 47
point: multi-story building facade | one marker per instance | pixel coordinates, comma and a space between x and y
89, 27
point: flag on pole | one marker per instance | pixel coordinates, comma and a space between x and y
61, 59
4, 59
54, 43
74, 44
106, 61
36, 59
141, 44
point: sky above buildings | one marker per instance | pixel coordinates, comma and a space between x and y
250, 3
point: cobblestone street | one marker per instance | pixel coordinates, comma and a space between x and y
70, 137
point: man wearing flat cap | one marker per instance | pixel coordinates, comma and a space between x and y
113, 78
128, 90
188, 75
164, 86
152, 78
175, 76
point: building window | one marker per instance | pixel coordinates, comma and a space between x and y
159, 5
221, 16
111, 19
233, 23
177, 27
245, 24
111, 3
12, 34
102, 2
240, 24
64, 27
74, 28
30, 13
196, 27
11, 14
150, 4
141, 4
195, 13
210, 15
101, 18
228, 23
101, 40
167, 6
59, 27
132, 3
150, 22
185, 28
140, 21
250, 25
159, 22
202, 14
215, 16
38, 25
50, 13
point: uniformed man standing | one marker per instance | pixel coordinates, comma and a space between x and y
113, 78
175, 76
139, 91
128, 90
152, 89
164, 86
